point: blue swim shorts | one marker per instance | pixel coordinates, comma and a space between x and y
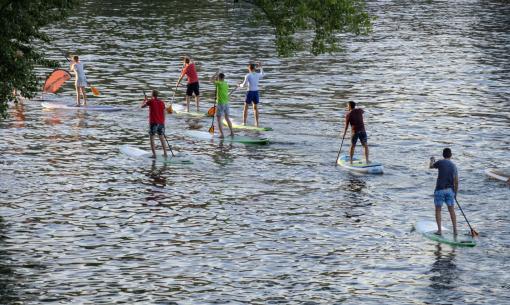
444, 196
252, 96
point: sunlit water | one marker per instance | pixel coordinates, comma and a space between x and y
83, 224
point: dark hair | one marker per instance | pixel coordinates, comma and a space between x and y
447, 153
252, 66
186, 60
75, 57
352, 104
155, 93
221, 76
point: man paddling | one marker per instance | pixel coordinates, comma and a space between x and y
80, 80
252, 96
192, 87
222, 108
447, 185
156, 120
355, 118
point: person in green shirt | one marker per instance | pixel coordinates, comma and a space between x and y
222, 108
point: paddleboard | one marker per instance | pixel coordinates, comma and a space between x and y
246, 127
360, 166
500, 174
427, 229
51, 105
134, 152
236, 139
181, 110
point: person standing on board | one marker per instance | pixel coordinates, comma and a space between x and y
355, 118
222, 107
193, 87
252, 95
447, 185
80, 80
156, 120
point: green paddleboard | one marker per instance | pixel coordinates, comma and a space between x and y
247, 127
427, 229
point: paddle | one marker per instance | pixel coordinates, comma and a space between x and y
212, 110
170, 110
473, 232
94, 90
340, 150
169, 146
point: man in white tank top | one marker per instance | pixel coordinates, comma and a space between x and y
80, 80
252, 95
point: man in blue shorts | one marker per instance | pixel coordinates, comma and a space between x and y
355, 118
252, 96
447, 185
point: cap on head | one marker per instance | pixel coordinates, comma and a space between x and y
447, 153
221, 76
352, 105
155, 93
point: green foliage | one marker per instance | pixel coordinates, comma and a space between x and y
325, 18
20, 25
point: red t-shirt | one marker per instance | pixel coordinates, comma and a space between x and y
156, 111
191, 73
355, 118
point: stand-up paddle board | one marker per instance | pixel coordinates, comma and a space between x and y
143, 154
360, 166
236, 139
51, 105
427, 228
246, 127
181, 110
500, 174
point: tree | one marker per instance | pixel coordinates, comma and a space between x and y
325, 18
20, 28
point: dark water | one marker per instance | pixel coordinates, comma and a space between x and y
279, 224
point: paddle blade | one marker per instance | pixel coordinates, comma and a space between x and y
211, 129
211, 111
169, 109
55, 80
95, 91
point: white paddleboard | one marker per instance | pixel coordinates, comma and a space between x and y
499, 174
427, 228
360, 166
204, 135
138, 153
51, 105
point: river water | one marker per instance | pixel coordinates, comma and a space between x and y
277, 224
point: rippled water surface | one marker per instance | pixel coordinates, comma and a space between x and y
278, 224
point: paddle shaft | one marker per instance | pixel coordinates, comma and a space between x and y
473, 232
340, 150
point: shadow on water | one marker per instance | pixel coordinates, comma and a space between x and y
355, 196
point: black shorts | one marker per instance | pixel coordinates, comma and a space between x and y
193, 88
361, 135
156, 129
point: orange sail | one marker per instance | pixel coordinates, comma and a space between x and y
55, 80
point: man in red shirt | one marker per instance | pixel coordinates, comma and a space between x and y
156, 120
193, 87
355, 118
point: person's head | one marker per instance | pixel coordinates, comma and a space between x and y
251, 67
187, 60
221, 76
76, 58
447, 153
351, 105
155, 93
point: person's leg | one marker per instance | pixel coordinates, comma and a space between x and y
77, 95
256, 113
187, 103
196, 90
365, 147
438, 202
229, 123
449, 197
162, 140
220, 127
152, 146
84, 95
438, 219
245, 113
197, 100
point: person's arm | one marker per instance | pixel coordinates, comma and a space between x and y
214, 78
183, 72
455, 185
244, 82
432, 162
145, 103
259, 65
346, 123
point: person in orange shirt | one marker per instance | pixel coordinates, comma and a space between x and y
193, 87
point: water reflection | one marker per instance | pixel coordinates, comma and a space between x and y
444, 270
7, 277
